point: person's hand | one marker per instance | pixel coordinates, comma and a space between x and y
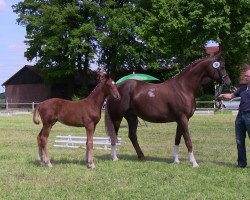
220, 97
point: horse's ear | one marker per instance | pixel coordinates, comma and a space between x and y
112, 76
101, 75
219, 54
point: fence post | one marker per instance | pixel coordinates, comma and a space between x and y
7, 105
33, 106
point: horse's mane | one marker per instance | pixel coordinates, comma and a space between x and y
199, 60
101, 80
189, 66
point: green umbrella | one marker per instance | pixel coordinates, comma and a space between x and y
141, 77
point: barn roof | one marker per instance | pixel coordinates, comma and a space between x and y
32, 75
26, 75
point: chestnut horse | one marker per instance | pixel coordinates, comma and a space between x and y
170, 101
83, 113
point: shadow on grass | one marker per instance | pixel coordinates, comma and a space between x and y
226, 164
165, 160
60, 161
134, 158
127, 157
124, 157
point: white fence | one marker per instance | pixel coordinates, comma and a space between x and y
18, 106
200, 106
70, 141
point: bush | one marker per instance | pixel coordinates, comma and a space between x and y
75, 98
205, 97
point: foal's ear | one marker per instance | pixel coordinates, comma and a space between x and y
101, 75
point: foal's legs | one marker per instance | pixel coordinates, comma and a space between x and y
133, 123
90, 129
40, 151
42, 140
183, 123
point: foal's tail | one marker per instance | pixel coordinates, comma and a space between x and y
109, 125
36, 115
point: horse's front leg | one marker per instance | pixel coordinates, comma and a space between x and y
183, 123
177, 143
90, 129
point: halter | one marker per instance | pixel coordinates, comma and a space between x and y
216, 66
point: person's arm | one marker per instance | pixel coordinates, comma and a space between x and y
227, 96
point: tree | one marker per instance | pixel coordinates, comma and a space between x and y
60, 34
65, 35
118, 45
180, 28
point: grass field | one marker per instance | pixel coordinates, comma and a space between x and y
157, 178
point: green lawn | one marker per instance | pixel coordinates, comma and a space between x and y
157, 178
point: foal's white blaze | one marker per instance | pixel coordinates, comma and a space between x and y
176, 154
192, 160
113, 153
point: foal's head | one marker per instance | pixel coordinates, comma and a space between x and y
110, 87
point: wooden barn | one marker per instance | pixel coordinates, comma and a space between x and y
28, 85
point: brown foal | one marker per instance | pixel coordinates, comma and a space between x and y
83, 113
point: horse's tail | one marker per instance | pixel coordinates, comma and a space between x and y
109, 126
36, 115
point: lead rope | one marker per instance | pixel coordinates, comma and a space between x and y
218, 90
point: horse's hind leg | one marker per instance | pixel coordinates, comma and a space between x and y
42, 140
40, 148
90, 129
113, 132
40, 151
133, 123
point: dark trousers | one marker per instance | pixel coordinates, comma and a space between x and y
242, 125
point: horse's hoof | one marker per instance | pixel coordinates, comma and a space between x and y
142, 158
115, 159
177, 161
41, 162
195, 165
49, 165
91, 166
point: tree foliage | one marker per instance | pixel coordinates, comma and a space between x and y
65, 35
181, 28
61, 35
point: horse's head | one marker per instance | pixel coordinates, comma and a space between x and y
218, 71
101, 75
112, 88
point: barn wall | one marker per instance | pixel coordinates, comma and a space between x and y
26, 93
